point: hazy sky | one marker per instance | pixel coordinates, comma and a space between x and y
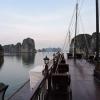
46, 21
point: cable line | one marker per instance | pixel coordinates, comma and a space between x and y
68, 29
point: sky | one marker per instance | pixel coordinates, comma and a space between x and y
46, 21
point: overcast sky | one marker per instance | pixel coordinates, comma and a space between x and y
46, 21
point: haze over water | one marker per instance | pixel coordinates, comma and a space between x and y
46, 21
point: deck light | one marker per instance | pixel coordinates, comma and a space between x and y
46, 60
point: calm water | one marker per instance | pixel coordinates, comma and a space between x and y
15, 69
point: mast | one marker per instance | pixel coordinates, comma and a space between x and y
97, 30
97, 67
69, 40
75, 31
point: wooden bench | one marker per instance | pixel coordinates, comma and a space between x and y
60, 82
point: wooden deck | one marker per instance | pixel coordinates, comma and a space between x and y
23, 93
84, 85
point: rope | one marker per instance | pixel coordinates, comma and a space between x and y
68, 29
82, 25
71, 24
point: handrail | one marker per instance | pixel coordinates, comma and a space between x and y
40, 89
37, 91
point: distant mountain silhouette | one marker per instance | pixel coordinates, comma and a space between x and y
27, 46
49, 50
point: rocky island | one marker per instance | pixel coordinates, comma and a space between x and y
27, 46
85, 43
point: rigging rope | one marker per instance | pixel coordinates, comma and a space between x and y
71, 24
68, 29
82, 25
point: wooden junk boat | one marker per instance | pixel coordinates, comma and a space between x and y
64, 78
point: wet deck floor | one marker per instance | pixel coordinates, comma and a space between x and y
83, 84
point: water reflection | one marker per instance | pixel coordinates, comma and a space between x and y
1, 61
18, 56
15, 69
28, 58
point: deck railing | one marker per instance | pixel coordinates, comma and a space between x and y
44, 86
41, 90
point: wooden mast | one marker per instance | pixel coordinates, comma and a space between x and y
97, 30
97, 68
69, 40
75, 31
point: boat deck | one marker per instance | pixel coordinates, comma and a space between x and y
83, 84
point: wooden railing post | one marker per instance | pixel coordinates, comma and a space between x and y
48, 76
49, 82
